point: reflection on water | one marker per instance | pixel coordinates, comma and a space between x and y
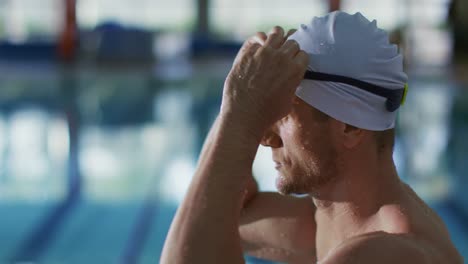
119, 164
139, 139
34, 152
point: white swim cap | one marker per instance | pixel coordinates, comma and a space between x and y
355, 75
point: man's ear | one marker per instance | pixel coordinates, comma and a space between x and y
348, 136
352, 136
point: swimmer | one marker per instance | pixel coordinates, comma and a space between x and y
324, 98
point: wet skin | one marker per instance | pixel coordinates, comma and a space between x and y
347, 214
356, 209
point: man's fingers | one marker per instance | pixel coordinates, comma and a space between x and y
275, 37
258, 39
290, 47
302, 59
290, 32
261, 37
252, 48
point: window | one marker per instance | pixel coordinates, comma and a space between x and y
176, 15
242, 18
389, 13
30, 20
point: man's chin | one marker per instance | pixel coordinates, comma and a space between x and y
280, 183
286, 187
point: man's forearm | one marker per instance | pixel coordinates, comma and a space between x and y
251, 186
211, 208
208, 141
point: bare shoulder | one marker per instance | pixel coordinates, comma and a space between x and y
280, 228
381, 247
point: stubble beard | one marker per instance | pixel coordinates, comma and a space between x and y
309, 179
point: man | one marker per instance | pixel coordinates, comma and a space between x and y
332, 138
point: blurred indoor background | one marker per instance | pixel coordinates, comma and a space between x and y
104, 106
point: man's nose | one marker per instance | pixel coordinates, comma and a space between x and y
271, 139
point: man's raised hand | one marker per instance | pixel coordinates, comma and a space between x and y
261, 84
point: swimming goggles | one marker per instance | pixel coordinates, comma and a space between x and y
395, 97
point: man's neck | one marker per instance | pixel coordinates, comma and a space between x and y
361, 189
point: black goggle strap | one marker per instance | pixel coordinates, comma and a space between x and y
395, 97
